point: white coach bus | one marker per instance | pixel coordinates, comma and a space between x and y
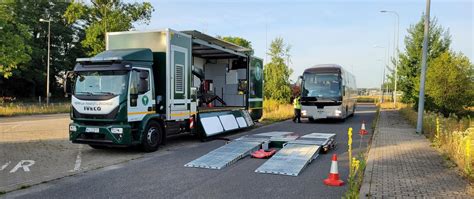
327, 91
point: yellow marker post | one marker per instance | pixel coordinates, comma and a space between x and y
349, 143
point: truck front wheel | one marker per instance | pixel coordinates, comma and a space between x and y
98, 146
152, 136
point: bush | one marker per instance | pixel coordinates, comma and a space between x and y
274, 111
449, 85
451, 135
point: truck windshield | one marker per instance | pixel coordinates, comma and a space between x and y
101, 83
325, 85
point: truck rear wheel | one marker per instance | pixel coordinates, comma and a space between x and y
152, 136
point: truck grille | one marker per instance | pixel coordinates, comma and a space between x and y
111, 115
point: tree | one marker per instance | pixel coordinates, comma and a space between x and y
277, 73
14, 35
237, 41
409, 66
29, 78
449, 86
103, 16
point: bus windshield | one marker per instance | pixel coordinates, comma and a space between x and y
101, 83
325, 85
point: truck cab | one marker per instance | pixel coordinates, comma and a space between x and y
149, 85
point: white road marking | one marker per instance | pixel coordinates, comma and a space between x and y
25, 167
77, 166
5, 165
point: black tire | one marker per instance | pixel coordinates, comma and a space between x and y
311, 119
98, 146
152, 136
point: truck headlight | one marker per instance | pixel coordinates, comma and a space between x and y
116, 130
303, 112
73, 128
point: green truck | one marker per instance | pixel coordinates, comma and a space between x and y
149, 85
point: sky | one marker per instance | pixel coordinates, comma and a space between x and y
353, 34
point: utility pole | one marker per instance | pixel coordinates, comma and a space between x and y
395, 53
47, 70
421, 96
383, 72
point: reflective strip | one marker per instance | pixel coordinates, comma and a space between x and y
182, 114
334, 167
140, 113
255, 99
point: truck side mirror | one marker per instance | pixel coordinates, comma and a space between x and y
142, 86
143, 74
143, 82
68, 83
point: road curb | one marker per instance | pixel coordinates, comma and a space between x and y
364, 191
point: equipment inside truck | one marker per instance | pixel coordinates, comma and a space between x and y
220, 73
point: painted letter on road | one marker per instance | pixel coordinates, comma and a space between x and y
25, 164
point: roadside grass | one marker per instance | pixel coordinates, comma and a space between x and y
452, 136
356, 177
373, 99
274, 111
391, 105
358, 165
14, 109
367, 99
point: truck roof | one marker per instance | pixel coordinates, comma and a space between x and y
216, 41
130, 54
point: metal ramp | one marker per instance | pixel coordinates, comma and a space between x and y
290, 160
296, 154
321, 139
226, 155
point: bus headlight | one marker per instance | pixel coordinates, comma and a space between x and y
303, 112
337, 112
72, 128
116, 130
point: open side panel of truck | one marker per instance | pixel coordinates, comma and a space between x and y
255, 105
220, 76
179, 70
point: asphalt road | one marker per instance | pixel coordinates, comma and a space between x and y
35, 149
162, 174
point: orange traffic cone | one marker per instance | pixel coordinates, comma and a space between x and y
333, 179
362, 130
